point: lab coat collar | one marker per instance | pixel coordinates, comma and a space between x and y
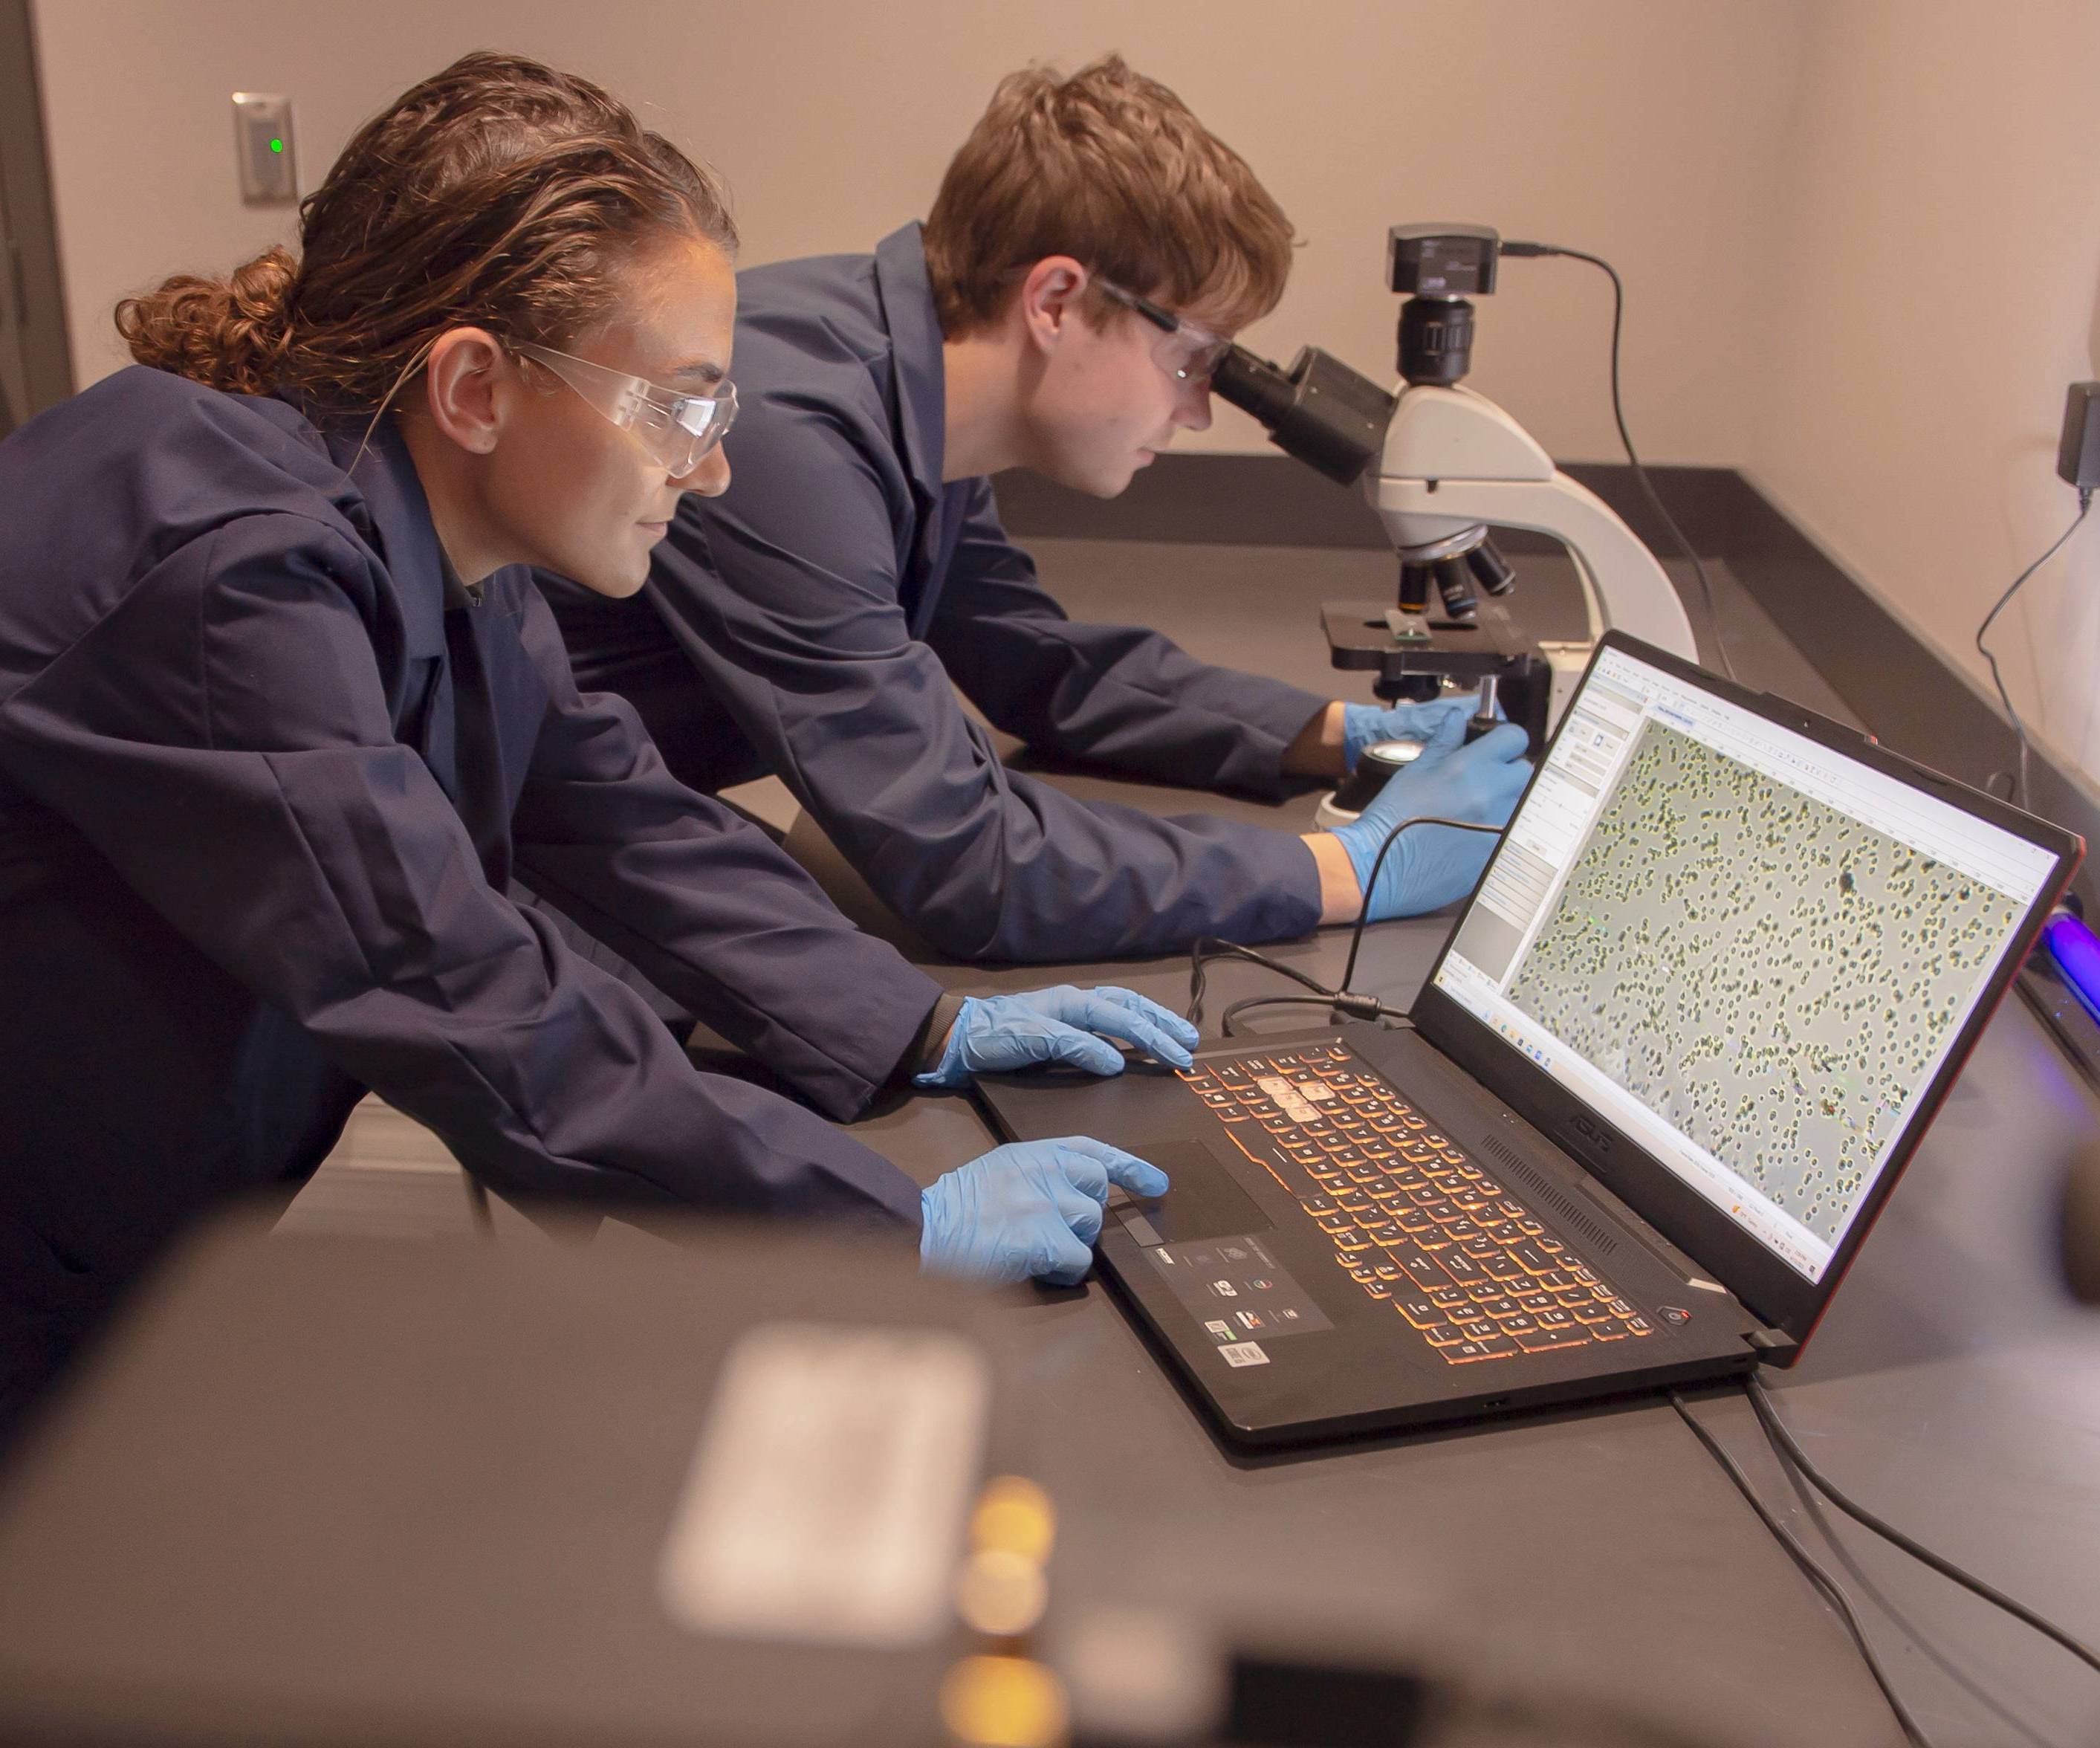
458, 595
907, 290
399, 514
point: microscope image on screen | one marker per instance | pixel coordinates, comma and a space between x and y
1783, 1025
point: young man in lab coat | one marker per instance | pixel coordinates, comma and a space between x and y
1090, 250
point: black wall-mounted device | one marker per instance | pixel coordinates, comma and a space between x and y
2078, 455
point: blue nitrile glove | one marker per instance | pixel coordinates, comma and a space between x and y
995, 1034
1366, 725
1034, 1208
1429, 867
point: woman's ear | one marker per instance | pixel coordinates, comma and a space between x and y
464, 378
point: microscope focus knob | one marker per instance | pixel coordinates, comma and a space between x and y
1379, 763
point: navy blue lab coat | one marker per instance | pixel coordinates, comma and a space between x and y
261, 792
809, 622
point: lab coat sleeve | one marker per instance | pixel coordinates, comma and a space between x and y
1120, 694
604, 831
222, 738
784, 596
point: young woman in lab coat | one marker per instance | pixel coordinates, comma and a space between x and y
281, 716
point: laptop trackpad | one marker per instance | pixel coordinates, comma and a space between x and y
1202, 1200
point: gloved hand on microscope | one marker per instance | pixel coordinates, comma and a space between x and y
1429, 866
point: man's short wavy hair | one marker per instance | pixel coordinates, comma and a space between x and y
1113, 169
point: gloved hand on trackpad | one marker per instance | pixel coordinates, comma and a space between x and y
1029, 1210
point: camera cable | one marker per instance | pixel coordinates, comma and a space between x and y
1625, 437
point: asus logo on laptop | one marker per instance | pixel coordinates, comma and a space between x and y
1591, 1131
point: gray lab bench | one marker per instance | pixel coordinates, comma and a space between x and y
1952, 1388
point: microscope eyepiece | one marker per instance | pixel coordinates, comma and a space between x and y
1321, 411
1255, 386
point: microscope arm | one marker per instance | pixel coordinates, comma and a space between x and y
1454, 460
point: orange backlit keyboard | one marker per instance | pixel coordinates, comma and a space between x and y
1415, 1221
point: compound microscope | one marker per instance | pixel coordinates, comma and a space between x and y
1451, 464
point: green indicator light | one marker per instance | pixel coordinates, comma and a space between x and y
276, 145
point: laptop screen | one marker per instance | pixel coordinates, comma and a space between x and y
1747, 952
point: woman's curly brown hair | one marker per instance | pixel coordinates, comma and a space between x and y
499, 194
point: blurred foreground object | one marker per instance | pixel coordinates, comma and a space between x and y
329, 1490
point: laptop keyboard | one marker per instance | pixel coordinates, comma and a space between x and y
1415, 1221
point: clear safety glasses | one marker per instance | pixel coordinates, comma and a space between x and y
676, 430
1185, 351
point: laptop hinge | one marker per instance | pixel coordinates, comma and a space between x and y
1774, 1342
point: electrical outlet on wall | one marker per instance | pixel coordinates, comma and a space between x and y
264, 150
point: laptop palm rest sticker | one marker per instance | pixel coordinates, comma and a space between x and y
1203, 1239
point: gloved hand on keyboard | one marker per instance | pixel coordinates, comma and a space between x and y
1030, 1209
1366, 725
996, 1034
1429, 866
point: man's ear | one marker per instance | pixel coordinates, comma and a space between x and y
1049, 300
464, 380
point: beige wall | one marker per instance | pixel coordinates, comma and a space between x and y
1940, 252
1859, 234
1646, 130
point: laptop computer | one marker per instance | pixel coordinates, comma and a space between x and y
1714, 984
